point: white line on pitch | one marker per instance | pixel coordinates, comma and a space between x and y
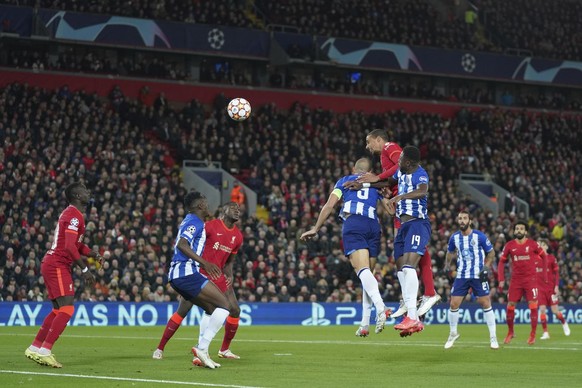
28, 373
435, 344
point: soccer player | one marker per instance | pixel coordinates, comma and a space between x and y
56, 269
377, 143
223, 240
548, 278
523, 252
186, 279
361, 239
474, 254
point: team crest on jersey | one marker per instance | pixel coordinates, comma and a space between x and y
473, 242
526, 249
233, 238
189, 232
74, 224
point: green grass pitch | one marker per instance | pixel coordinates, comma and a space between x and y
293, 356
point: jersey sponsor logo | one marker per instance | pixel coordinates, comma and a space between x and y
218, 246
219, 234
521, 258
74, 224
189, 232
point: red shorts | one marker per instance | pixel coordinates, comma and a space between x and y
57, 279
547, 297
518, 289
397, 222
220, 282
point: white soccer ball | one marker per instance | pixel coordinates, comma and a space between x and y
239, 109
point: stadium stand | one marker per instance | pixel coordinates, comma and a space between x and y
51, 137
548, 29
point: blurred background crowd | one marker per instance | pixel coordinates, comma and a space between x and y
129, 155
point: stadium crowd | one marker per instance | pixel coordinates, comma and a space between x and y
128, 153
138, 65
546, 28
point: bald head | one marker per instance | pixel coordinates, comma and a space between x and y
362, 166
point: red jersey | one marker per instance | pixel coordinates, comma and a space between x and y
221, 242
389, 159
523, 259
548, 275
67, 245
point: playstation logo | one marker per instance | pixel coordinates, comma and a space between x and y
317, 316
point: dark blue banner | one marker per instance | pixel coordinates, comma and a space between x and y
301, 314
118, 30
16, 20
450, 62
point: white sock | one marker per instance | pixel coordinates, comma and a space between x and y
366, 309
33, 348
453, 320
214, 324
44, 351
203, 325
370, 286
410, 291
490, 319
400, 275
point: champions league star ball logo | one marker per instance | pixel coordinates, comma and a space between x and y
469, 63
216, 38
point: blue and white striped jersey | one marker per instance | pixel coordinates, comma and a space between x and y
408, 183
362, 202
191, 229
471, 252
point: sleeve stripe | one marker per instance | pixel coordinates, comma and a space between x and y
337, 192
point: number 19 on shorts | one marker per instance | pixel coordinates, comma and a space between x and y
415, 240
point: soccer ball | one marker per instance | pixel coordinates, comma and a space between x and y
239, 109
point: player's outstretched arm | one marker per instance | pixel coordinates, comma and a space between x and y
210, 268
448, 258
325, 212
415, 194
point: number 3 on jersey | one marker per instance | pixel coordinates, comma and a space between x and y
363, 193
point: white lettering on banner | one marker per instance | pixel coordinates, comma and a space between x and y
195, 316
245, 315
32, 314
350, 313
317, 316
124, 315
100, 315
17, 317
141, 315
81, 317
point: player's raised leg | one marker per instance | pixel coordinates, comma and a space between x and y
32, 351
58, 325
429, 297
231, 325
360, 261
363, 329
172, 326
210, 294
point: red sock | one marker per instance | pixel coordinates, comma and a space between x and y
533, 309
560, 317
544, 318
510, 317
58, 326
171, 327
230, 329
44, 329
425, 266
